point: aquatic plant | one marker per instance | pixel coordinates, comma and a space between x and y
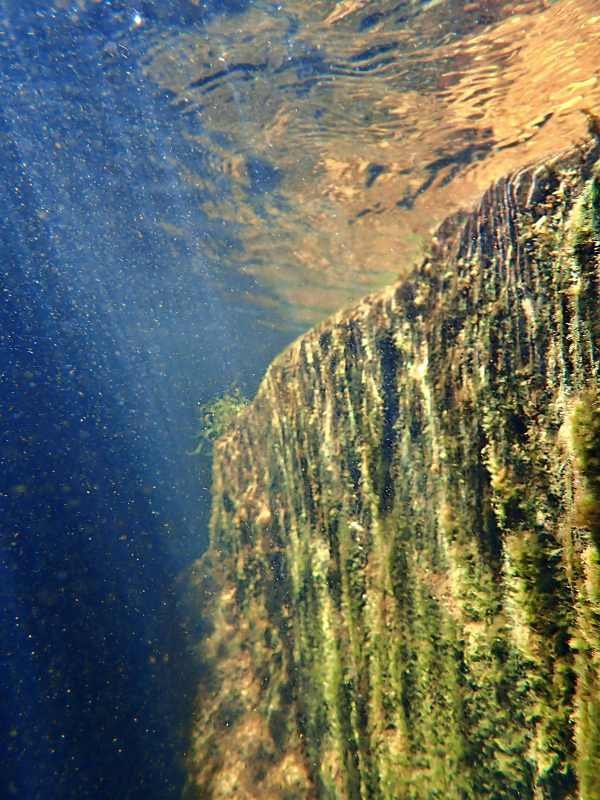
585, 424
217, 416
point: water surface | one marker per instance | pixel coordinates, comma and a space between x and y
345, 132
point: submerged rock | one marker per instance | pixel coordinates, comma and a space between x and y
402, 591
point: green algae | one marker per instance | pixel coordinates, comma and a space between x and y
406, 566
218, 416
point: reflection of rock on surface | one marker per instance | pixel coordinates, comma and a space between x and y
442, 102
419, 614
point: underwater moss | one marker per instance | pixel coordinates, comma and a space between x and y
217, 417
426, 466
585, 425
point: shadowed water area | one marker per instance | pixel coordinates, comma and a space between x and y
185, 187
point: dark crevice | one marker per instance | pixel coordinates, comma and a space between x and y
389, 367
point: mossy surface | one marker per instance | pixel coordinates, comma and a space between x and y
403, 584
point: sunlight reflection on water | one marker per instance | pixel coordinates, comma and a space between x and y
343, 135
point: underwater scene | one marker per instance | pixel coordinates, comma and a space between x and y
300, 400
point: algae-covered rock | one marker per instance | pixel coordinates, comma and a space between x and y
402, 588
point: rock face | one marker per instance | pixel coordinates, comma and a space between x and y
402, 592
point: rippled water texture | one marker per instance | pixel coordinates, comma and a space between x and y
339, 134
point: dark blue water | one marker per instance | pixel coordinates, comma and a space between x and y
111, 331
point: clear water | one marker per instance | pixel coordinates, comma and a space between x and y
184, 187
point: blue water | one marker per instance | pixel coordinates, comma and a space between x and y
111, 332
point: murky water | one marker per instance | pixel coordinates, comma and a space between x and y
185, 187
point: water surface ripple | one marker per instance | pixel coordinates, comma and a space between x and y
345, 131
